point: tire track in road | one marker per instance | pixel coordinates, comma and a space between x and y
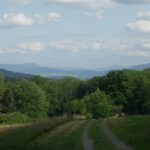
87, 142
113, 139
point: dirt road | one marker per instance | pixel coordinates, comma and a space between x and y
113, 139
87, 142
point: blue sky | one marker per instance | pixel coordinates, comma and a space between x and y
75, 33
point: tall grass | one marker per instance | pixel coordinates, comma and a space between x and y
133, 130
69, 138
20, 137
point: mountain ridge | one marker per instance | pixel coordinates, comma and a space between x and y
14, 75
35, 69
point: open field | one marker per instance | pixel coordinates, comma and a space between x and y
134, 131
19, 137
100, 140
64, 137
64, 134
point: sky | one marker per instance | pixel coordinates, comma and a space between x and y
75, 33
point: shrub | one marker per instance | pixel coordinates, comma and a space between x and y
14, 117
89, 115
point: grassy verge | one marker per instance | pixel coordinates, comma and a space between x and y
66, 137
20, 137
100, 140
134, 130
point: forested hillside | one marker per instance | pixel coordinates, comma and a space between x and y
119, 91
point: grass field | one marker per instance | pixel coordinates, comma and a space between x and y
55, 134
100, 140
134, 130
19, 137
65, 137
64, 134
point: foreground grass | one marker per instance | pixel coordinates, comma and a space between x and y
65, 137
20, 137
100, 140
134, 131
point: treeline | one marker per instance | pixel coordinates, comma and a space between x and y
125, 91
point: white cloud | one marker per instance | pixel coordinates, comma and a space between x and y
4, 50
87, 46
138, 53
133, 1
96, 14
24, 2
21, 19
87, 13
140, 48
144, 15
99, 44
50, 17
146, 44
99, 14
12, 19
24, 48
85, 4
66, 45
120, 48
31, 47
140, 26
124, 48
91, 8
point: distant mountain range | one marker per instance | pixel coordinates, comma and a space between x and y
141, 67
14, 75
34, 69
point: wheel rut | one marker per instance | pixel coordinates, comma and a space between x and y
87, 142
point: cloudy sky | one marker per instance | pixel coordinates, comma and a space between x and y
75, 33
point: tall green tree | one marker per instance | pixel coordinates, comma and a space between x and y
2, 89
139, 95
97, 104
10, 97
31, 99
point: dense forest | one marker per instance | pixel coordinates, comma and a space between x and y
125, 91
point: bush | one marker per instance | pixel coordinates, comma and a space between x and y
115, 109
14, 117
89, 115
